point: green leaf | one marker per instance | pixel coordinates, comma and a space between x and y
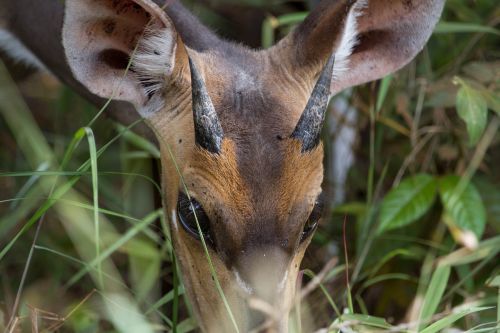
407, 202
472, 109
366, 320
484, 72
139, 141
466, 256
461, 27
490, 193
450, 319
434, 292
463, 204
187, 325
494, 281
493, 100
353, 208
165, 299
382, 92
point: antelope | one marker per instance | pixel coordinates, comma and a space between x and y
238, 129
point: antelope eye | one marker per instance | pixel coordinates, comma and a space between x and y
312, 220
188, 212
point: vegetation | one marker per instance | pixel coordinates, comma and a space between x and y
414, 247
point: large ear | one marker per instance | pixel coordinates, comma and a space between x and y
369, 38
101, 37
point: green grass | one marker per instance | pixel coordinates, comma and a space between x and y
84, 247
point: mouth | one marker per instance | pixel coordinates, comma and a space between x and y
265, 317
268, 305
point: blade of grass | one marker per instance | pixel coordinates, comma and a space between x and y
115, 246
367, 320
139, 141
450, 319
58, 193
95, 195
310, 274
382, 92
462, 27
434, 293
349, 296
29, 184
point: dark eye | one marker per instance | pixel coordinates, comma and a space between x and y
188, 212
312, 220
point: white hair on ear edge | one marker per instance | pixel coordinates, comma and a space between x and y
349, 39
151, 63
17, 50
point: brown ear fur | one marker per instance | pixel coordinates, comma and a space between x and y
374, 37
101, 36
391, 34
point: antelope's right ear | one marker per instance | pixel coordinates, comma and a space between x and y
370, 39
101, 38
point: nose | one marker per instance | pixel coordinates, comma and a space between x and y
256, 319
262, 273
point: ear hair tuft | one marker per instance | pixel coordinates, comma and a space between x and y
151, 63
349, 39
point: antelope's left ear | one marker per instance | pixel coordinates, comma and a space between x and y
101, 38
370, 39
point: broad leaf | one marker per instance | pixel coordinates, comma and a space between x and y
463, 205
473, 109
407, 202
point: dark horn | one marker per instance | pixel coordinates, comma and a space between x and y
207, 129
308, 129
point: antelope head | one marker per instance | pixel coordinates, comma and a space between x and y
239, 129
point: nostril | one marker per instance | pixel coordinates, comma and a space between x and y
257, 320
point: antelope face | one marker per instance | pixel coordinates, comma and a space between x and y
239, 131
255, 235
250, 175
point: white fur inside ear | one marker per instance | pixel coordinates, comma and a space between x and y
349, 39
16, 49
152, 62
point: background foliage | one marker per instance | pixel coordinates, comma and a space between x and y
413, 247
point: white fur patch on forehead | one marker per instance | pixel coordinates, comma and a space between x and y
152, 62
349, 39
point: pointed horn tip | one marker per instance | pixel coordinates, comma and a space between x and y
194, 70
191, 64
329, 67
207, 128
308, 129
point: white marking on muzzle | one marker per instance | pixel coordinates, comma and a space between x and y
282, 284
243, 285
